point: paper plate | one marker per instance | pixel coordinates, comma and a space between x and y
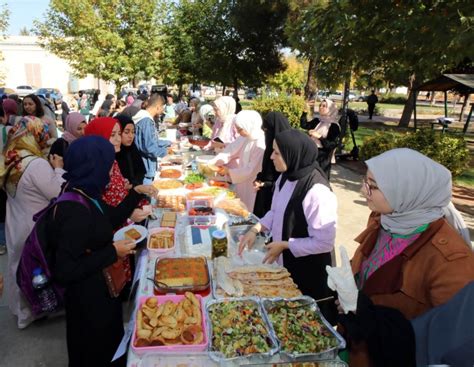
120, 234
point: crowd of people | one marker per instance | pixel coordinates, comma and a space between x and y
414, 259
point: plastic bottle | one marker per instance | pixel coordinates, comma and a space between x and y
44, 290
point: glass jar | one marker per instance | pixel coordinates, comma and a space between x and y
219, 243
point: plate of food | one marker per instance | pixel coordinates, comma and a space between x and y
167, 184
132, 232
171, 173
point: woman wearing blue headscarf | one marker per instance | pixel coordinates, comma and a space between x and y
83, 238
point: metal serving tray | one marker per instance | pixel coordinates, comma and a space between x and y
249, 358
331, 353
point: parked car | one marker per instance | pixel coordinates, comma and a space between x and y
250, 94
24, 90
54, 94
6, 91
338, 96
361, 98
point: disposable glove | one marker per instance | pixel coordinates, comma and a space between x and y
341, 280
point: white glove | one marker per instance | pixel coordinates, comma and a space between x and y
341, 280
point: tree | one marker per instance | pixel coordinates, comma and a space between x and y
291, 78
408, 42
4, 22
114, 40
228, 42
24, 31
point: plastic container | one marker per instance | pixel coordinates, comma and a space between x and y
177, 348
219, 243
155, 252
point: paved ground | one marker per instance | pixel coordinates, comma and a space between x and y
43, 343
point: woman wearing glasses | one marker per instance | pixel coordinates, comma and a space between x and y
413, 256
410, 257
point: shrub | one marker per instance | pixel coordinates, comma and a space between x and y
290, 106
376, 144
450, 151
393, 98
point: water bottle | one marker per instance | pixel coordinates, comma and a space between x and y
44, 290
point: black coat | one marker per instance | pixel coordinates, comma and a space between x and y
83, 240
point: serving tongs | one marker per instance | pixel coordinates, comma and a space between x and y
301, 303
159, 284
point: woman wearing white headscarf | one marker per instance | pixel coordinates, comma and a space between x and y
242, 159
325, 131
410, 257
224, 128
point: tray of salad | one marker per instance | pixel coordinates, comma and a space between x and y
301, 329
239, 331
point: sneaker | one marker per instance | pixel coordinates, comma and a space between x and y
3, 249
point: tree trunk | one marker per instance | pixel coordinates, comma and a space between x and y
236, 90
407, 110
310, 86
223, 89
180, 90
466, 98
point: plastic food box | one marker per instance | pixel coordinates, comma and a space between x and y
177, 348
182, 360
155, 252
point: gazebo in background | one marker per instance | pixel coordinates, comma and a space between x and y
461, 83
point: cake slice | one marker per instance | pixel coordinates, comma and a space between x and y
132, 234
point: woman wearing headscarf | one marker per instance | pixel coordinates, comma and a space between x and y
273, 123
325, 131
410, 257
10, 109
241, 160
224, 128
129, 158
30, 182
118, 188
83, 238
74, 129
302, 218
32, 107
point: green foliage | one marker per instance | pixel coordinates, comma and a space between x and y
290, 106
115, 40
393, 98
223, 41
450, 151
4, 21
289, 79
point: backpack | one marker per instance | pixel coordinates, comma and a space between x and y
353, 119
37, 253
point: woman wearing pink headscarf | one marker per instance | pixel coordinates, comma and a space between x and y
75, 125
325, 131
10, 109
224, 129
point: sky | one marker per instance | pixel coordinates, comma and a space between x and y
23, 12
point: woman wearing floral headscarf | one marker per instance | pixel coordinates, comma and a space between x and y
30, 182
325, 131
241, 160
